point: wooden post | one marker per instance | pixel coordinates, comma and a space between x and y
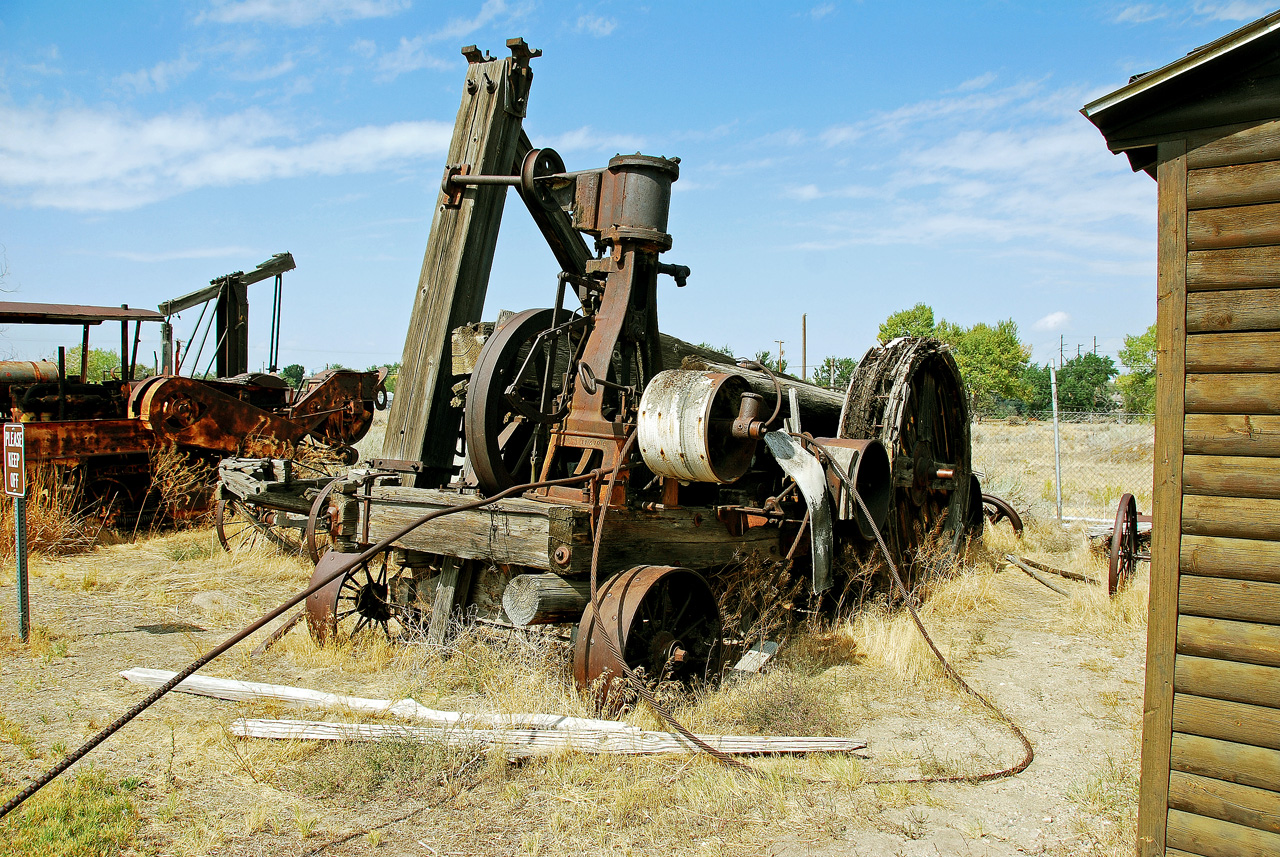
1166, 526
455, 584
422, 425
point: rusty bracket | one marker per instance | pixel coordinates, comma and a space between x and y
453, 192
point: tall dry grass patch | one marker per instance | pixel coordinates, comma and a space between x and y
57, 522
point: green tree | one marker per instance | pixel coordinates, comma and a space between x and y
393, 373
1039, 392
834, 372
1084, 383
294, 373
726, 350
992, 361
769, 361
1138, 386
103, 364
917, 321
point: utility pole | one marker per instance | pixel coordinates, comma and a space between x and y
1095, 346
779, 341
1060, 343
804, 346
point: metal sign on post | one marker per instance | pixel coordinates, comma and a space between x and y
15, 485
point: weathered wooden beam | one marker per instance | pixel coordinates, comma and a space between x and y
1226, 760
1233, 434
1196, 834
452, 589
1228, 801
422, 425
1223, 639
1237, 226
1248, 683
1231, 476
1239, 268
1234, 184
1233, 309
551, 536
1228, 721
1242, 559
528, 742
1223, 598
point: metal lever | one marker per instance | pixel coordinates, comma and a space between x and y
811, 478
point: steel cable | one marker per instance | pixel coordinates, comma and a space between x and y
75, 756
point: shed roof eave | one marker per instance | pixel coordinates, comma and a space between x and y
1194, 60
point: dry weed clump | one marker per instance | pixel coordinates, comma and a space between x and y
183, 481
57, 523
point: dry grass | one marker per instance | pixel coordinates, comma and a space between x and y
57, 524
1100, 461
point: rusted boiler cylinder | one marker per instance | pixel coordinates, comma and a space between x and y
686, 426
27, 371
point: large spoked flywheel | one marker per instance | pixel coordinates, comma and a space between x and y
909, 395
518, 382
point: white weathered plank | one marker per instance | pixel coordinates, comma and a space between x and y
248, 691
527, 742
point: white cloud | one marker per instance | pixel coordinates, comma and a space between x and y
982, 81
178, 255
1235, 10
586, 139
595, 25
1140, 14
821, 11
92, 160
299, 13
409, 55
1053, 321
159, 77
457, 28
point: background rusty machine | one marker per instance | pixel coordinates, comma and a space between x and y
103, 431
624, 457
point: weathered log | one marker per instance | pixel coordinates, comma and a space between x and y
1227, 801
1232, 434
1247, 683
1258, 725
1240, 559
1197, 834
1224, 598
1226, 760
1243, 642
1231, 476
541, 599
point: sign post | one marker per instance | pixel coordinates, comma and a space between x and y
15, 485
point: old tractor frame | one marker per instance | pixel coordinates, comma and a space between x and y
578, 466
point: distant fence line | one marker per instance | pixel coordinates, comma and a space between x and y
1100, 455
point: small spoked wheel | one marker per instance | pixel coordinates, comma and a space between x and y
371, 595
1124, 545
241, 526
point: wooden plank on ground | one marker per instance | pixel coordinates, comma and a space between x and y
1232, 517
1248, 393
1231, 476
1166, 527
1233, 309
1256, 725
1239, 268
1253, 351
1212, 837
1219, 598
1232, 434
1237, 226
1256, 808
529, 742
1228, 640
1241, 559
1226, 760
1247, 683
1234, 184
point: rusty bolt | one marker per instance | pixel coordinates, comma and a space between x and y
562, 555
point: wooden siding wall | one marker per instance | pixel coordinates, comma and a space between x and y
1216, 557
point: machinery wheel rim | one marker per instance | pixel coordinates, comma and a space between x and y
1124, 545
238, 525
355, 601
657, 611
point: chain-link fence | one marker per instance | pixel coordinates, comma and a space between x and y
1100, 456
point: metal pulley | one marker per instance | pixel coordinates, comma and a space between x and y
698, 426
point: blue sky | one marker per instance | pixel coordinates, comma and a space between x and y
840, 159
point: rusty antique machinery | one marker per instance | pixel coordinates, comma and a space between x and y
583, 410
103, 431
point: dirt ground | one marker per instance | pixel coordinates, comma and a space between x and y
1069, 671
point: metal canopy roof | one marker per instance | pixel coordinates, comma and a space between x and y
25, 313
1125, 116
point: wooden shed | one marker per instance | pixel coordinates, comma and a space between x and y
1207, 127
